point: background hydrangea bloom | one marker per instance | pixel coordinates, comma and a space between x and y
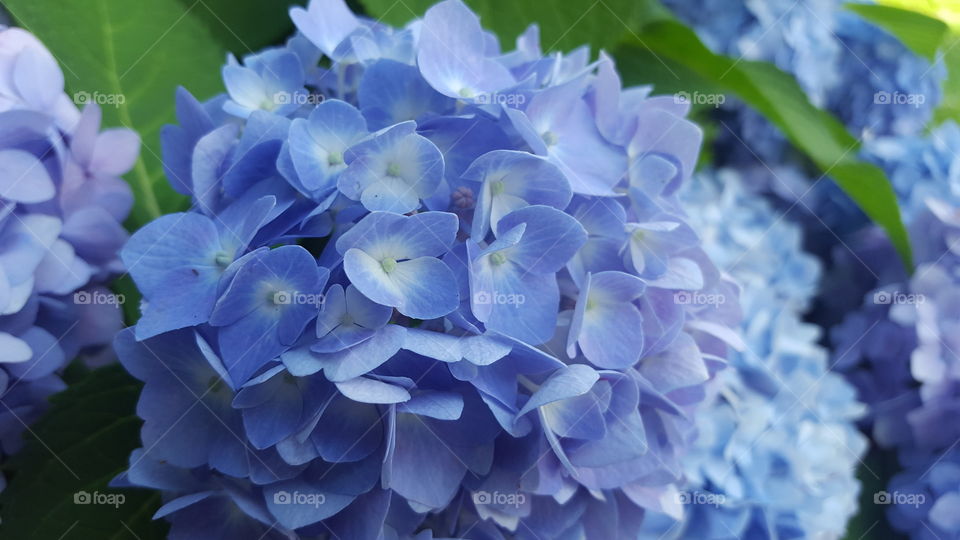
898, 347
844, 64
441, 302
61, 204
778, 446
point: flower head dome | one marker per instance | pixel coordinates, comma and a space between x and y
426, 287
778, 446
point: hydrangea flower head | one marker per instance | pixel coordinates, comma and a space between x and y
62, 202
778, 444
433, 286
859, 72
899, 347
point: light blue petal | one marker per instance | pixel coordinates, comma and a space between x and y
361, 358
427, 287
566, 382
606, 324
367, 390
549, 241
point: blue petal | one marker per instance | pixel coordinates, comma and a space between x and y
451, 53
325, 23
348, 431
416, 444
511, 180
393, 170
606, 324
550, 240
367, 390
392, 92
567, 382
357, 360
23, 178
385, 234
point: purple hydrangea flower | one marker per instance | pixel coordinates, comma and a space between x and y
62, 202
431, 294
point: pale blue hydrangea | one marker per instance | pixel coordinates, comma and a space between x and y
778, 446
857, 71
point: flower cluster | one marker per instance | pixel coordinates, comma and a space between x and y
899, 348
425, 287
859, 72
61, 204
778, 446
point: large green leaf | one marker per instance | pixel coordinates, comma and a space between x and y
58, 484
245, 26
921, 33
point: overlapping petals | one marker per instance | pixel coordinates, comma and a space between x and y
430, 293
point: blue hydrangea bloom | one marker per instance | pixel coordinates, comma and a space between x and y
898, 346
857, 71
427, 288
778, 445
62, 202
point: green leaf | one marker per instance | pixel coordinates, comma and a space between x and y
920, 33
777, 96
79, 445
564, 24
245, 26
